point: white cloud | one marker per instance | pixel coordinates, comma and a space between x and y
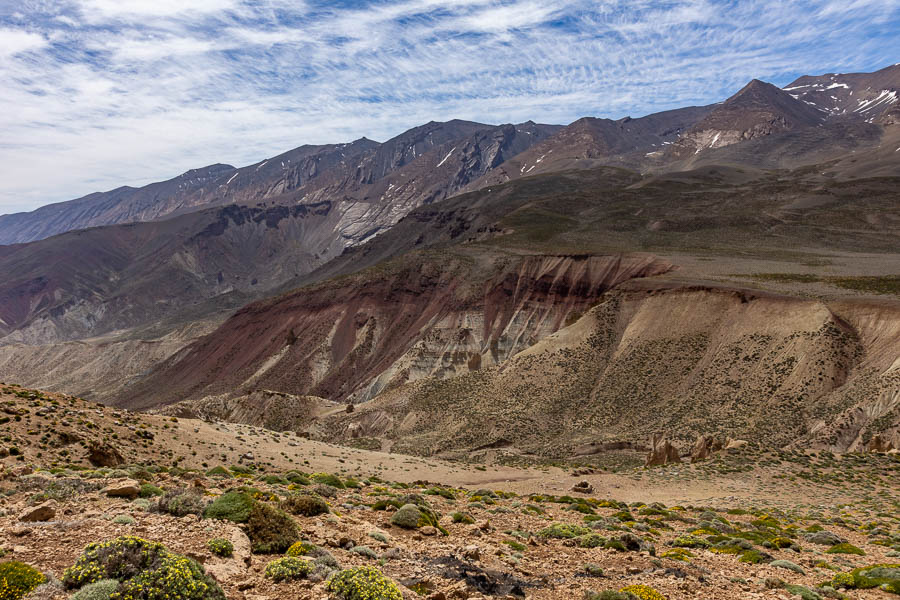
14, 41
98, 10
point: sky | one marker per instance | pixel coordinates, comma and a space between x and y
95, 94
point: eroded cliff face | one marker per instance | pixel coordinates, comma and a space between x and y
777, 371
430, 315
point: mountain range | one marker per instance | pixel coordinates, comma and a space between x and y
511, 271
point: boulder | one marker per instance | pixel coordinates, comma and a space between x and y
583, 487
123, 488
41, 512
234, 567
705, 446
824, 538
735, 445
661, 452
103, 454
879, 443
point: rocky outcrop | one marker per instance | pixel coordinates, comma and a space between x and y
705, 446
662, 452
880, 443
41, 512
104, 454
583, 487
125, 488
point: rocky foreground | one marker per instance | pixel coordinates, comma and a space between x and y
244, 525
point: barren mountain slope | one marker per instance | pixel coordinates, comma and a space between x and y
86, 283
867, 96
309, 173
590, 142
776, 371
353, 336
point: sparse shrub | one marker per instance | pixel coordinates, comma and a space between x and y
300, 549
689, 541
754, 557
124, 520
883, 576
181, 502
287, 568
363, 583
231, 506
845, 549
148, 490
18, 579
297, 478
146, 571
307, 505
790, 566
324, 490
219, 472
364, 551
220, 547
590, 540
328, 479
682, 554
270, 530
462, 517
644, 592
563, 531
101, 590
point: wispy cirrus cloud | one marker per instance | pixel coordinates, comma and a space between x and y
100, 93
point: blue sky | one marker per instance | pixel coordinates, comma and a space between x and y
100, 93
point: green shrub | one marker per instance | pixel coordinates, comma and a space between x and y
363, 583
563, 531
845, 549
297, 477
231, 506
124, 520
408, 516
219, 472
644, 592
148, 490
790, 566
270, 530
590, 540
884, 576
754, 557
181, 502
307, 505
461, 517
364, 551
328, 479
220, 547
146, 571
287, 568
300, 549
689, 541
442, 492
101, 590
18, 579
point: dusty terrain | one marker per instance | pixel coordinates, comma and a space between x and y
739, 512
